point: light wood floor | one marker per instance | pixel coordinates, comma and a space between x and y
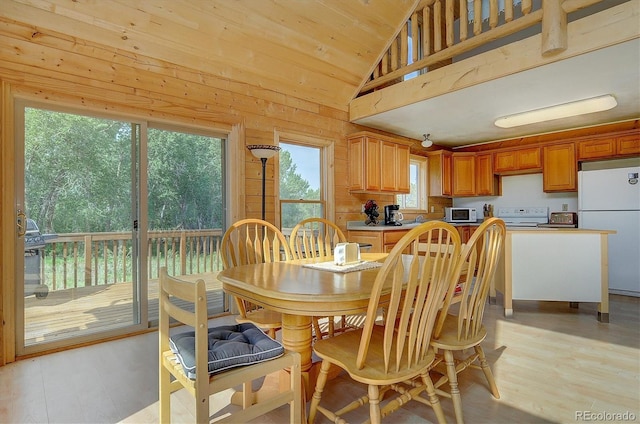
551, 362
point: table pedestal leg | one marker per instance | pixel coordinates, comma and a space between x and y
296, 336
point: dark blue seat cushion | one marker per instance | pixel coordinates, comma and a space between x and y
229, 346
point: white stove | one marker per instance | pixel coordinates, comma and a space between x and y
529, 216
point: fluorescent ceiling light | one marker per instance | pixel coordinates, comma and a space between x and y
565, 110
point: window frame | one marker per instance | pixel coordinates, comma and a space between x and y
327, 190
421, 187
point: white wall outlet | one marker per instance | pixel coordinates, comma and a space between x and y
433, 209
565, 207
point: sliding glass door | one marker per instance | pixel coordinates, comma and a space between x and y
79, 182
103, 204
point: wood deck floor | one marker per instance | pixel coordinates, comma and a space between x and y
72, 312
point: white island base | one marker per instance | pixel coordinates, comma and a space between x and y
552, 264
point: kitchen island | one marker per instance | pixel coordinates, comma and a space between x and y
554, 264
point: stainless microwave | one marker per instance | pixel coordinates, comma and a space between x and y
460, 215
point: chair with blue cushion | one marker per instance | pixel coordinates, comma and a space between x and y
205, 361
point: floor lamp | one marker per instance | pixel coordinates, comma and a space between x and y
263, 152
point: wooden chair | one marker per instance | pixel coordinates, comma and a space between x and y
251, 241
313, 238
203, 383
455, 333
388, 357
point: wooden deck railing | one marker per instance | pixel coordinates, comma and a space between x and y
86, 259
440, 30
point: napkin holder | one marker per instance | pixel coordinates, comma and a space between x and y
346, 253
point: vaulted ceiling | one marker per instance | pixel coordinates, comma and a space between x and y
321, 50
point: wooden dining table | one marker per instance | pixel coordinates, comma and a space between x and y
299, 293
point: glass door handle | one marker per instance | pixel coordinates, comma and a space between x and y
21, 223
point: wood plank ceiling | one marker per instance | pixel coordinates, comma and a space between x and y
317, 50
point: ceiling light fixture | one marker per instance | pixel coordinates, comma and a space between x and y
565, 110
427, 141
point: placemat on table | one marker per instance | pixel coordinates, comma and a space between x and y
331, 266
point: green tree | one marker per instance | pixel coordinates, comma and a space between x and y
294, 187
78, 175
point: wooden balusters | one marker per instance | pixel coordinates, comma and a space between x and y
415, 36
427, 30
464, 20
404, 45
437, 26
440, 30
508, 11
493, 13
477, 17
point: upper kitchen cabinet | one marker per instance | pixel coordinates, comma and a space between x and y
521, 161
378, 164
487, 183
464, 174
559, 169
628, 144
609, 147
440, 171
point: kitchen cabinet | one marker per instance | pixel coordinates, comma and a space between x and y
378, 164
464, 174
628, 145
440, 172
487, 183
609, 147
465, 232
523, 161
381, 241
559, 172
596, 149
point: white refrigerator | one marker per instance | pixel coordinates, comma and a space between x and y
609, 199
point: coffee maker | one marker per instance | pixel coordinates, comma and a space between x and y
392, 215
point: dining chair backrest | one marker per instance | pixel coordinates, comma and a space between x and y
252, 241
474, 271
410, 288
315, 237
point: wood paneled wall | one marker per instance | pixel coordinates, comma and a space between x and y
55, 68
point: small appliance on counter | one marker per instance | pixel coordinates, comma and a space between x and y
392, 215
454, 215
561, 220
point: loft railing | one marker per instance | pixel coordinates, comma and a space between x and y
90, 259
440, 30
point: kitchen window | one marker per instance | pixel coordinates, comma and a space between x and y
304, 182
416, 200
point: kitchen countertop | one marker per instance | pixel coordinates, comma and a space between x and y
407, 225
361, 226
